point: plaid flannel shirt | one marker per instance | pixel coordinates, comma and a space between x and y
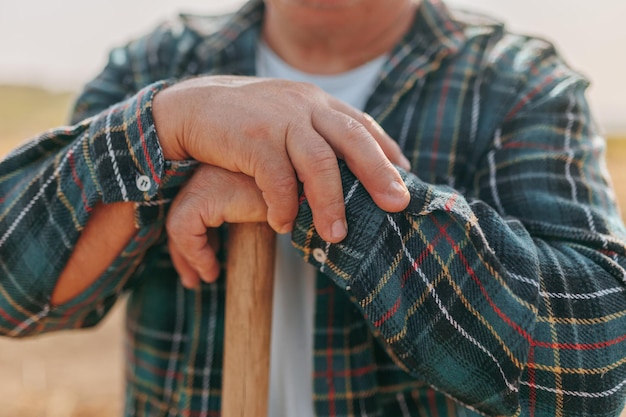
500, 290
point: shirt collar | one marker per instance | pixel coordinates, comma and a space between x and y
434, 35
227, 44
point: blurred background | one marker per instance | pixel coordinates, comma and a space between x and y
49, 49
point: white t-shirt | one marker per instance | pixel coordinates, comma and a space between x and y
291, 362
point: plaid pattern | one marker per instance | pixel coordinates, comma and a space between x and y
499, 291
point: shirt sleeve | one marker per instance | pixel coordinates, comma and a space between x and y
511, 301
49, 186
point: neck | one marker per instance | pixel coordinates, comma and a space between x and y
337, 38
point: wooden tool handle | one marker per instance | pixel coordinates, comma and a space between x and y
249, 290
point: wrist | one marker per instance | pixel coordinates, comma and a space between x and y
166, 123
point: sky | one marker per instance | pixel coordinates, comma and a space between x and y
61, 44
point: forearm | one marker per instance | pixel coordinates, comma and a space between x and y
71, 202
108, 231
449, 282
421, 278
67, 248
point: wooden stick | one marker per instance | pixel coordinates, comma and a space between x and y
249, 290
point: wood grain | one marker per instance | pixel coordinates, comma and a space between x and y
249, 290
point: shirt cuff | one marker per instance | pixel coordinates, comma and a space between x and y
343, 261
128, 160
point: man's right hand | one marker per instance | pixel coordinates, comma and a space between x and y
279, 133
211, 197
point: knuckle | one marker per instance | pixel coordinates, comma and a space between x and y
212, 213
323, 156
376, 131
302, 95
281, 185
324, 164
366, 120
173, 224
299, 92
381, 167
356, 131
295, 130
334, 204
307, 88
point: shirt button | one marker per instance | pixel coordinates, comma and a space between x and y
319, 255
143, 183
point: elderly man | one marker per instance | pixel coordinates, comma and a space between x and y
485, 274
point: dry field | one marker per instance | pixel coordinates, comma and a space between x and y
80, 374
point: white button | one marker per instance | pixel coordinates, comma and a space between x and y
143, 183
319, 255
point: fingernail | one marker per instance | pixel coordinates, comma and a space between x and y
339, 230
398, 190
281, 229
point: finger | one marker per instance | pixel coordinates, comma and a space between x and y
188, 276
186, 231
317, 168
254, 145
389, 146
212, 196
278, 184
195, 251
234, 198
364, 157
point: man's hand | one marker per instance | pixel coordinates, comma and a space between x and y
212, 197
279, 132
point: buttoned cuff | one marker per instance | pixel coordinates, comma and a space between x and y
343, 261
128, 160
174, 176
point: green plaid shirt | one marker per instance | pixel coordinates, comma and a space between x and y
500, 290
